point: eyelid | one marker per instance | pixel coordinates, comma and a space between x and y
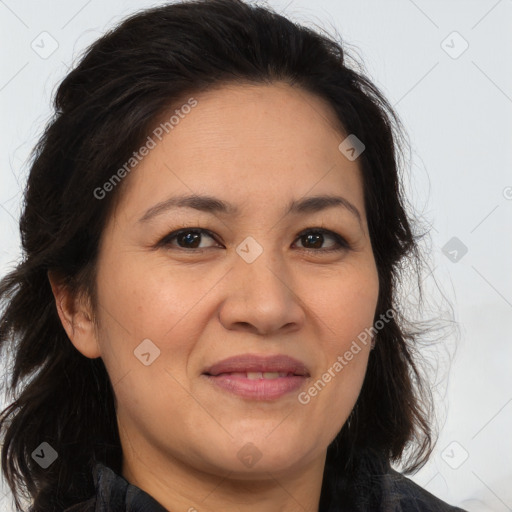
342, 243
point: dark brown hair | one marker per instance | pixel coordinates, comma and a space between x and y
104, 110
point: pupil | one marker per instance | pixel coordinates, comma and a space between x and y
318, 237
190, 237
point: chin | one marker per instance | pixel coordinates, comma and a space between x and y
255, 458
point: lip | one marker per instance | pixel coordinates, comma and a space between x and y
258, 363
227, 375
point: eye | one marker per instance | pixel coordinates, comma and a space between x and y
187, 238
312, 240
315, 237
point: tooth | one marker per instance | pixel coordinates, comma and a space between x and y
254, 375
271, 375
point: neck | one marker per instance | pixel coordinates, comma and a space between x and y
177, 485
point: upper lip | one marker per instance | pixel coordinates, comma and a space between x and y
258, 363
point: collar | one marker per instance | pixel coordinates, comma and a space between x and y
115, 494
376, 488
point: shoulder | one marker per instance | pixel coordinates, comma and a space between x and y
413, 498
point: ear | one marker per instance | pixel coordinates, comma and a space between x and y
76, 317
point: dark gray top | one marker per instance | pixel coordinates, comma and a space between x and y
382, 492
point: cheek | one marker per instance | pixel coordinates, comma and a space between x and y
143, 300
346, 309
147, 331
146, 298
347, 304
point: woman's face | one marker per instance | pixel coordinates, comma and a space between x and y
250, 285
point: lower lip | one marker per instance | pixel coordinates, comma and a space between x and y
257, 389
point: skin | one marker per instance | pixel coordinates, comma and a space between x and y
258, 147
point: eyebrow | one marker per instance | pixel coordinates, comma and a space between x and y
214, 205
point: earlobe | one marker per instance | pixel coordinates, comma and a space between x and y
76, 317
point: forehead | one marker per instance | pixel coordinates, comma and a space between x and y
246, 143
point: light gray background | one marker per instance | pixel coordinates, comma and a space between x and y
457, 112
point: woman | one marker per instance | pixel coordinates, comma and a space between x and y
213, 231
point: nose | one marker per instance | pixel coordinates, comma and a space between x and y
260, 298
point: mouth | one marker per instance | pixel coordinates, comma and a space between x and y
252, 365
258, 377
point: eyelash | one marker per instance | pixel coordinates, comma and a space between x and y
343, 245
